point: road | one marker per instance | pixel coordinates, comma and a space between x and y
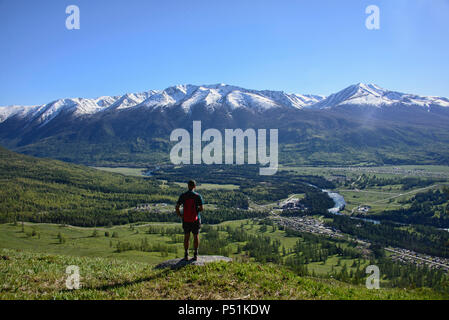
417, 258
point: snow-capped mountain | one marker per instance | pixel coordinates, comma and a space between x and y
373, 95
363, 123
216, 97
233, 97
186, 96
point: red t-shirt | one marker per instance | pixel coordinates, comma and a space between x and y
190, 201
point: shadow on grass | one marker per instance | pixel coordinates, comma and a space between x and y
164, 269
112, 286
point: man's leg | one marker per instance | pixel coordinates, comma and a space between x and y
186, 244
196, 243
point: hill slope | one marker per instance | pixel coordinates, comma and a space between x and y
45, 190
26, 275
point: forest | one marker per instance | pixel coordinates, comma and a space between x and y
44, 190
418, 238
429, 208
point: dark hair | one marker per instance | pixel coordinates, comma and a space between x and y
191, 184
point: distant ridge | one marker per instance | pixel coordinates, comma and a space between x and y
361, 124
217, 96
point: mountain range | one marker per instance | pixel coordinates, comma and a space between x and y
218, 96
361, 124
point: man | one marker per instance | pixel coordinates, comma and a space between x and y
192, 203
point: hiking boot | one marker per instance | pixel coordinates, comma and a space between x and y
195, 254
186, 256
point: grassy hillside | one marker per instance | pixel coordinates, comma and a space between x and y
44, 190
26, 275
80, 242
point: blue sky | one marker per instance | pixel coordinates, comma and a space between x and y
297, 46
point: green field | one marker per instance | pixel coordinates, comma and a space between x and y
378, 200
81, 242
389, 197
127, 171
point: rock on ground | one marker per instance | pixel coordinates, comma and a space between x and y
179, 263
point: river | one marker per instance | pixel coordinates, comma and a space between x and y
340, 203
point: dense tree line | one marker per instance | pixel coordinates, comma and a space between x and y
236, 174
317, 202
408, 275
418, 238
145, 246
426, 208
395, 275
207, 216
258, 188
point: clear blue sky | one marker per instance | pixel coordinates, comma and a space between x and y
296, 46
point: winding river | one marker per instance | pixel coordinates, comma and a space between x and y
340, 203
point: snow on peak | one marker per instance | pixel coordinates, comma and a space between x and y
218, 96
128, 100
373, 95
11, 111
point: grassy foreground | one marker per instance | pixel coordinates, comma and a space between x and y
27, 275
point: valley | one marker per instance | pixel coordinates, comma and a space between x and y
357, 184
244, 217
316, 135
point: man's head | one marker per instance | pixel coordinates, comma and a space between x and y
191, 184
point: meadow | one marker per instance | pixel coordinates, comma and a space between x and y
127, 171
102, 242
120, 218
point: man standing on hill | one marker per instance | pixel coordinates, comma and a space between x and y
192, 203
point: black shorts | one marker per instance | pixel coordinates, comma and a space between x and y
193, 227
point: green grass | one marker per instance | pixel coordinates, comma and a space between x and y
79, 242
127, 171
375, 198
254, 229
27, 275
390, 197
336, 263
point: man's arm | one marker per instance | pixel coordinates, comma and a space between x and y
178, 212
200, 203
